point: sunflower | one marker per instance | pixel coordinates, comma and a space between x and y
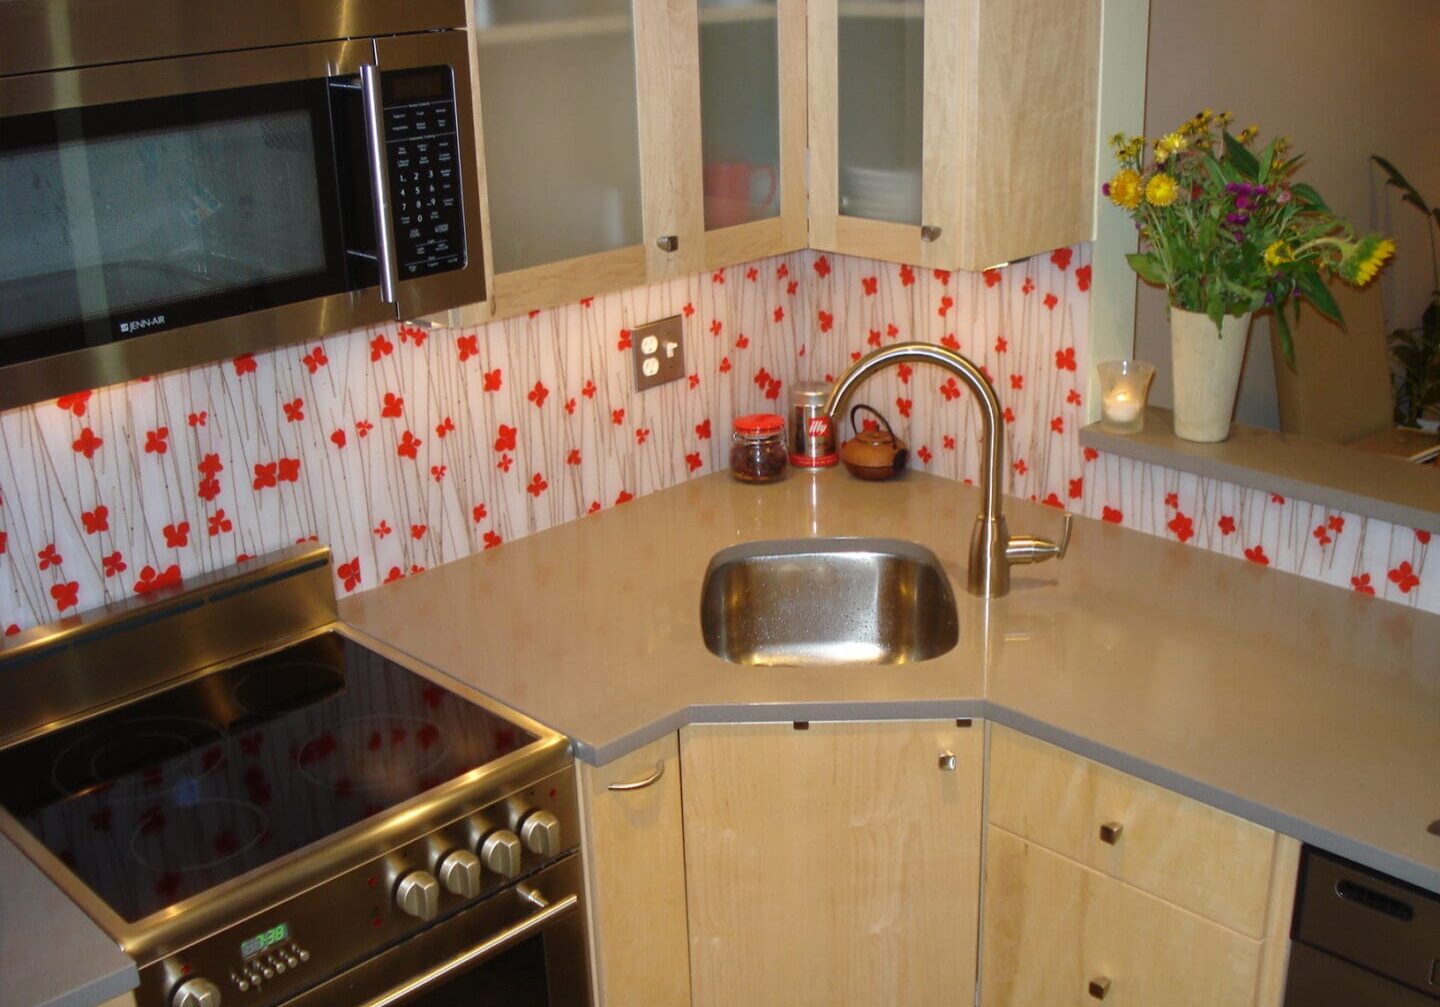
1277, 253
1368, 255
1126, 189
1161, 190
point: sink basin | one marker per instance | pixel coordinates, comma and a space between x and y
827, 602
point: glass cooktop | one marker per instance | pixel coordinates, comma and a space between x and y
176, 793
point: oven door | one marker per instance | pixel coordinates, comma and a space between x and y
162, 214
523, 947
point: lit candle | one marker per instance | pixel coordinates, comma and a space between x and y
1121, 407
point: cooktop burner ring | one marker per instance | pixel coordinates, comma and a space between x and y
162, 832
279, 686
130, 746
331, 757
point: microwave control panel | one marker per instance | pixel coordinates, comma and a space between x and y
422, 144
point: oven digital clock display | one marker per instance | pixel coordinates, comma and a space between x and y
265, 940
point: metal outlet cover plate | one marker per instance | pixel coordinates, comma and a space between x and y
659, 351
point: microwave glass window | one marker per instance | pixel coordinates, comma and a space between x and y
150, 214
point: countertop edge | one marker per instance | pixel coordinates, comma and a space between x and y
99, 992
1158, 446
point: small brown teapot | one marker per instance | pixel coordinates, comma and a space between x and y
873, 454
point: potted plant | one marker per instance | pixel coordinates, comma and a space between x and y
1228, 232
1416, 351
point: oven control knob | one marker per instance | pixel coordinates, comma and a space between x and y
418, 894
196, 993
541, 832
501, 852
459, 872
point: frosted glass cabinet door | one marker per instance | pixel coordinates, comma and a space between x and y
880, 92
562, 147
740, 110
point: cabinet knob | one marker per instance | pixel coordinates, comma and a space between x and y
668, 242
1099, 986
947, 761
1110, 832
929, 232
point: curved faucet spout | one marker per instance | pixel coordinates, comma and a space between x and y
992, 550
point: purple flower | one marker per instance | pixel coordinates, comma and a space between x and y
1244, 203
1237, 219
1270, 297
1234, 187
1105, 189
1283, 197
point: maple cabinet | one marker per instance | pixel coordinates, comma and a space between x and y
835, 865
954, 135
635, 878
1102, 886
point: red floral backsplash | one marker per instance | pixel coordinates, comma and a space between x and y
403, 447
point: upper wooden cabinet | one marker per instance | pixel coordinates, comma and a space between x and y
954, 134
752, 128
832, 866
590, 112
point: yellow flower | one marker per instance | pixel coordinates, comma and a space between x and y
1170, 143
1278, 252
1372, 255
1126, 189
1161, 190
1248, 133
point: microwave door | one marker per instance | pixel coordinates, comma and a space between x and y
204, 208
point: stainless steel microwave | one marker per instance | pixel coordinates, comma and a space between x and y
182, 182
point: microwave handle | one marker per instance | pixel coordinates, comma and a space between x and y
379, 179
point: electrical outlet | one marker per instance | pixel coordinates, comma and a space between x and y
659, 351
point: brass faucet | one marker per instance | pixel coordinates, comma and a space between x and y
993, 550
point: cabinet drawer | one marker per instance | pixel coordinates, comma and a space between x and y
1178, 849
1053, 927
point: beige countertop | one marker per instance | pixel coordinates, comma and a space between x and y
1304, 707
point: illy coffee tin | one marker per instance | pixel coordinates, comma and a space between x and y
812, 435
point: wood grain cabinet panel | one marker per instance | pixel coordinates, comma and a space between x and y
832, 866
1183, 851
1052, 927
635, 879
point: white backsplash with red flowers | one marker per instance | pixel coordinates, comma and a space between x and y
403, 448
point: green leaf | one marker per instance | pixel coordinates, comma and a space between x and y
1146, 268
1306, 194
1287, 343
1400, 182
1267, 158
1239, 155
1314, 290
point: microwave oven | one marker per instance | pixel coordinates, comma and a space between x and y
185, 182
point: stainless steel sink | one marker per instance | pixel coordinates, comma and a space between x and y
827, 602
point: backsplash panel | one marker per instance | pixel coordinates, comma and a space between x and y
404, 448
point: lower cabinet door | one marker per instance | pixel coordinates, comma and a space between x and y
834, 866
635, 877
1057, 934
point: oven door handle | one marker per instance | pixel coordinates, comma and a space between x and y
495, 943
378, 165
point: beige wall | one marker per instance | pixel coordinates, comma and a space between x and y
1343, 80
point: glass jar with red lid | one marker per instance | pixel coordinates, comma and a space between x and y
757, 448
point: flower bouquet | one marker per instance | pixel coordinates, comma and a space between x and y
1228, 232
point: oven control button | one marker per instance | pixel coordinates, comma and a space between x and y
418, 894
459, 872
541, 832
196, 993
501, 853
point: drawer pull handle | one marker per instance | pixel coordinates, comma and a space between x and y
1099, 987
947, 761
1110, 832
929, 233
668, 242
648, 781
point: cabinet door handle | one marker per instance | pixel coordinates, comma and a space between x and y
648, 781
929, 232
1099, 986
1110, 832
947, 761
668, 242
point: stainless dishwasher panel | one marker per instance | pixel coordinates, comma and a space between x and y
1362, 938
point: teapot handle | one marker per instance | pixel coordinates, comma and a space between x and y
875, 412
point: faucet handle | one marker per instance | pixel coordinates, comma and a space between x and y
1021, 549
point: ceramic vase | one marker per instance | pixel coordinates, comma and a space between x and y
1205, 369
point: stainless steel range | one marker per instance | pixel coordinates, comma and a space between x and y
262, 806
